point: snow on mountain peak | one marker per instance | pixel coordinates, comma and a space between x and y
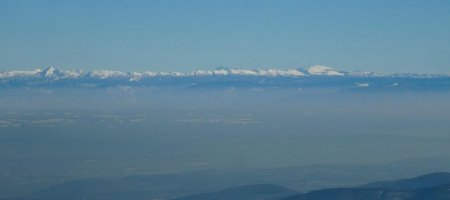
20, 73
222, 71
53, 73
49, 72
103, 74
323, 70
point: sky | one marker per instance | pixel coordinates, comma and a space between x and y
178, 35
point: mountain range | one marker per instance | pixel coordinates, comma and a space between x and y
435, 186
316, 76
53, 73
317, 70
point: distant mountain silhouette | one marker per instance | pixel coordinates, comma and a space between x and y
435, 186
429, 180
436, 193
248, 192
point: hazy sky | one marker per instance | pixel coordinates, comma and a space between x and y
381, 36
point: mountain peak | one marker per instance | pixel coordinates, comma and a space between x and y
49, 71
323, 70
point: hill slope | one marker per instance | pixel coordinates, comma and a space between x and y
437, 193
435, 186
429, 180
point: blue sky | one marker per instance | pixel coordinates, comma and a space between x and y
168, 35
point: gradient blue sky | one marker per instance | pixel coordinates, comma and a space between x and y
380, 36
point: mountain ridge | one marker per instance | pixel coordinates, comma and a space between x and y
424, 181
317, 70
225, 78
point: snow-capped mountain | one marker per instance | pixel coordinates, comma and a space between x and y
50, 73
315, 76
324, 70
57, 74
